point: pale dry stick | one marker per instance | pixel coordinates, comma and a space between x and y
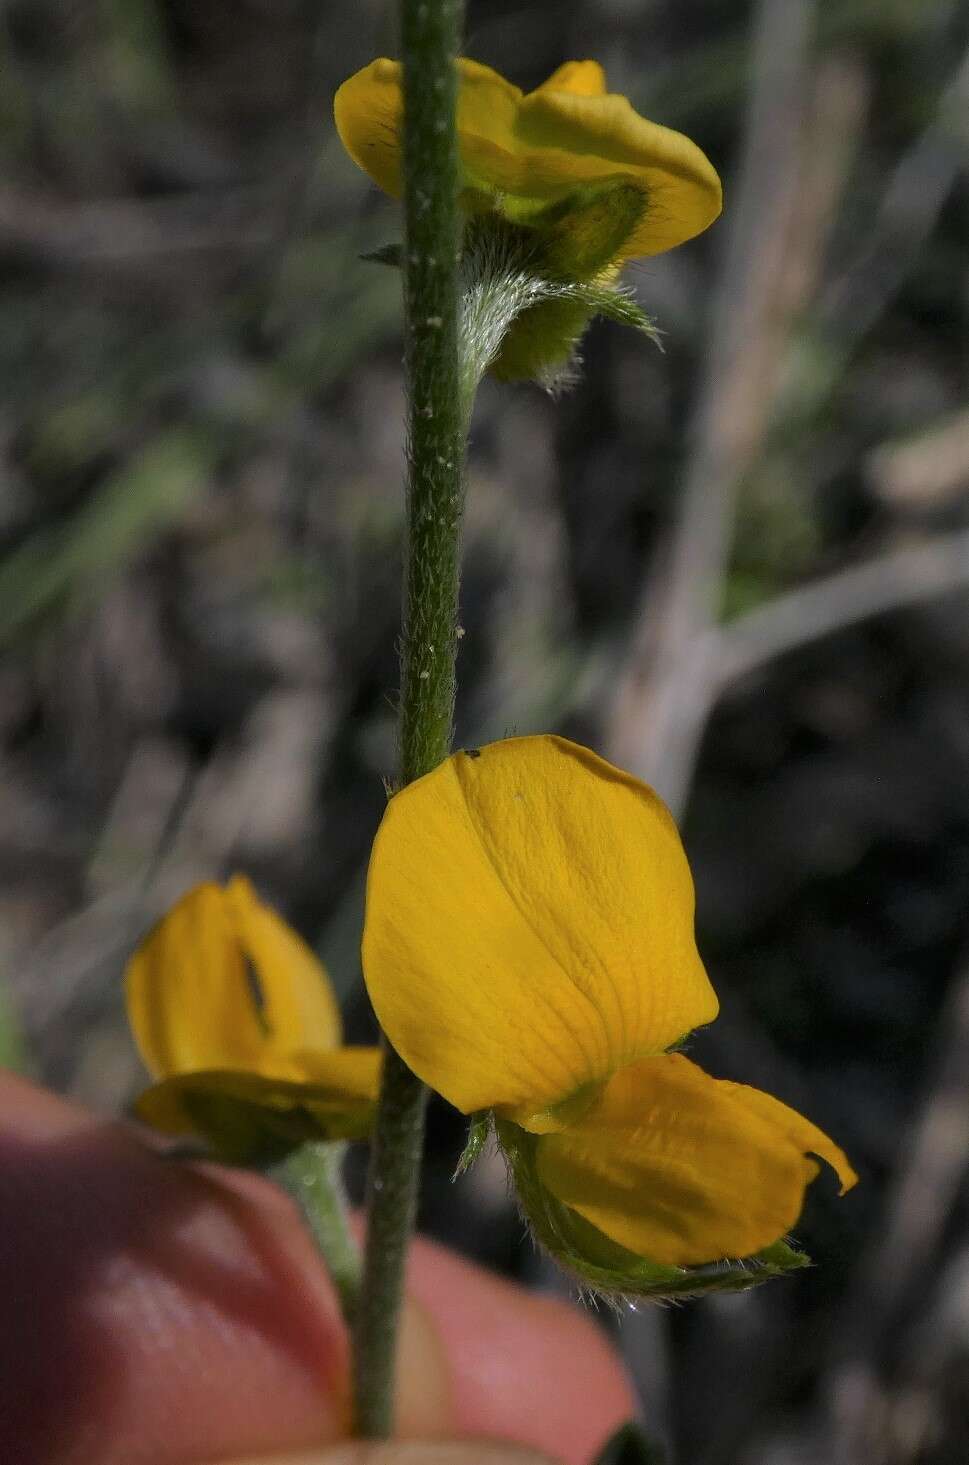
886, 582
857, 299
926, 471
721, 656
118, 231
836, 113
657, 697
679, 693
910, 208
661, 693
925, 1190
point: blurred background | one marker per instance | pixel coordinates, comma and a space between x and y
738, 566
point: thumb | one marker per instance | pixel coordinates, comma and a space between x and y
190, 1314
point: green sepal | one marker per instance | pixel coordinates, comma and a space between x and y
479, 1133
611, 1270
522, 320
578, 237
246, 1119
241, 1133
619, 306
629, 1446
544, 274
541, 343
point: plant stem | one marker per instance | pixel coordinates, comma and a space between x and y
430, 32
436, 425
312, 1176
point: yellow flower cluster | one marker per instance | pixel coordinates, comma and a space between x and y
528, 944
529, 951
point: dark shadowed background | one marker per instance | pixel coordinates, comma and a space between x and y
739, 567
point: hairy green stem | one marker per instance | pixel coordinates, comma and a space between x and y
436, 424
430, 32
312, 1176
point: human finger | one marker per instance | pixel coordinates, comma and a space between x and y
167, 1313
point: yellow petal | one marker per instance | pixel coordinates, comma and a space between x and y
222, 982
686, 1169
299, 1007
529, 926
242, 1114
564, 138
368, 110
582, 78
527, 151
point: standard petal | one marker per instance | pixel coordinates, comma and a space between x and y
568, 134
297, 1007
564, 138
222, 982
529, 926
684, 1168
248, 1115
582, 78
188, 998
368, 110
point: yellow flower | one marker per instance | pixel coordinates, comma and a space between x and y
525, 154
234, 1016
529, 950
562, 185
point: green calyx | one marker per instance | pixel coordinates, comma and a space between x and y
248, 1120
479, 1133
522, 316
575, 237
540, 345
533, 278
584, 234
608, 1269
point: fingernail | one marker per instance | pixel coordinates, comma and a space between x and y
409, 1452
423, 1383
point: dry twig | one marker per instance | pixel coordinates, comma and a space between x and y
660, 703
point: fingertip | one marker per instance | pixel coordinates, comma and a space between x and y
189, 1310
153, 1309
522, 1367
